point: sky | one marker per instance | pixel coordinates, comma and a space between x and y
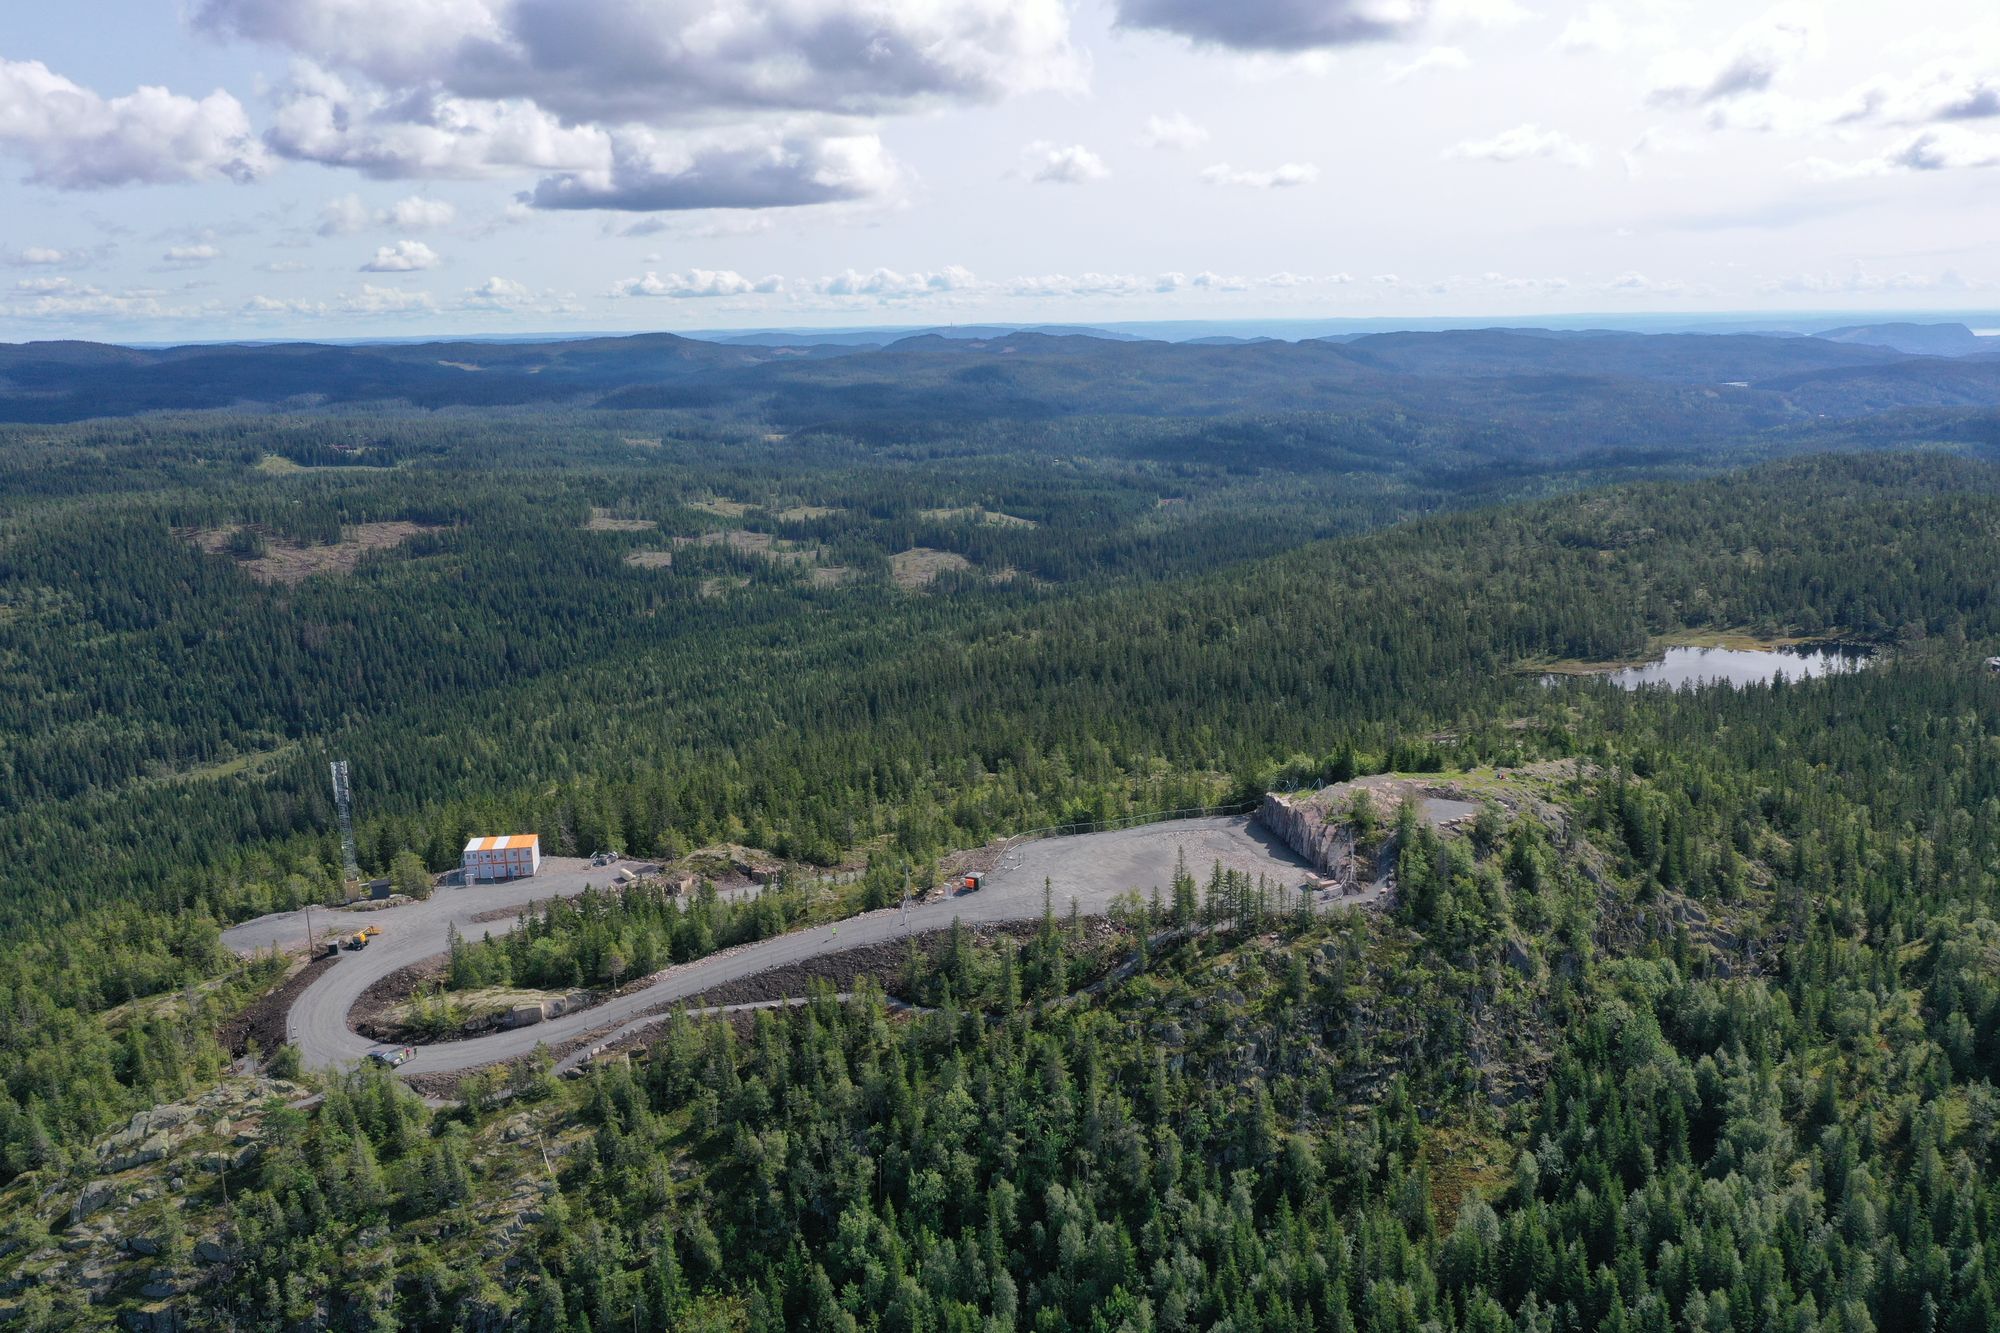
216, 169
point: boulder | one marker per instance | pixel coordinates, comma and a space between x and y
1519, 958
522, 1015
97, 1194
165, 1319
144, 1245
210, 1251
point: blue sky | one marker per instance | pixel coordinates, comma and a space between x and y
322, 168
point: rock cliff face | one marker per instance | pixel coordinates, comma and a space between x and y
1303, 827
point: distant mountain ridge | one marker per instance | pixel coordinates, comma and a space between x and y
1918, 339
967, 373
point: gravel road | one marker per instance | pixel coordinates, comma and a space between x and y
1092, 869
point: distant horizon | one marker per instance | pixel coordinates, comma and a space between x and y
1983, 323
321, 170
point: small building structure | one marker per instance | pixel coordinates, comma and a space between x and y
510, 856
1993, 664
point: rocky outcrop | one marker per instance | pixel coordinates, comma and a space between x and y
1303, 827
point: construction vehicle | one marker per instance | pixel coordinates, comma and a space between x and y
358, 940
370, 931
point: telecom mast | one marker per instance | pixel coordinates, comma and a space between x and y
343, 801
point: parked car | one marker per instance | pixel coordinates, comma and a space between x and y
392, 1056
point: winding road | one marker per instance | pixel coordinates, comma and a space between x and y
1091, 869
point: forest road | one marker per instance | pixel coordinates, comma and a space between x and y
1090, 869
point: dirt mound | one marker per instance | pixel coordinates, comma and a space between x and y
264, 1020
384, 993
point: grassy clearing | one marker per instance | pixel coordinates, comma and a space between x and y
601, 520
990, 517
284, 562
468, 1005
920, 566
650, 559
277, 465
761, 544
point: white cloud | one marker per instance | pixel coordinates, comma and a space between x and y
696, 284
1757, 57
59, 299
1598, 28
886, 282
1524, 143
1943, 91
1633, 283
73, 139
402, 257
1059, 165
1437, 58
1483, 13
417, 213
1062, 285
1656, 142
344, 216
1282, 177
1283, 279
348, 214
42, 256
499, 294
1944, 148
649, 174
191, 254
657, 61
1175, 132
1277, 25
373, 300
323, 118
1858, 281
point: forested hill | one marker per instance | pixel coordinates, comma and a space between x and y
1707, 383
1692, 1025
1703, 1036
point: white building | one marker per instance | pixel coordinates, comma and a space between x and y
513, 856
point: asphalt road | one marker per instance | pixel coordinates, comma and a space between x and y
1091, 869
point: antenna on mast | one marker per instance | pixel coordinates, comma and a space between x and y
343, 801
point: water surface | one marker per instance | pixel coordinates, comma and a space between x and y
1739, 666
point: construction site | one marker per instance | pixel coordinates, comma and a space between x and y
1327, 848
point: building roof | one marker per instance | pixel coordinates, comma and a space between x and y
504, 842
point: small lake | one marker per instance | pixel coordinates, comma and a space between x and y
1739, 666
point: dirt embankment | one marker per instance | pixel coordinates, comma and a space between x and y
884, 962
264, 1020
369, 1016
